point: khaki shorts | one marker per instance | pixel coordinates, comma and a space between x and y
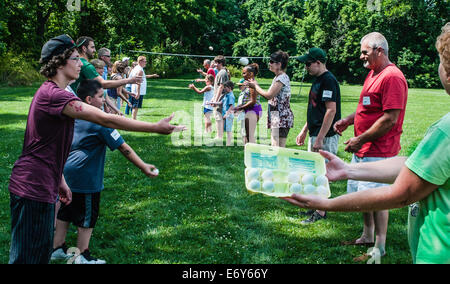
330, 144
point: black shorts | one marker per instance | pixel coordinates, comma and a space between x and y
282, 132
82, 211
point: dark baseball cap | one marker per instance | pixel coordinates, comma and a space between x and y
57, 46
314, 54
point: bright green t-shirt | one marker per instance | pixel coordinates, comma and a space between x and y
429, 227
87, 72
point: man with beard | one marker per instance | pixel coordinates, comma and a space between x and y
87, 51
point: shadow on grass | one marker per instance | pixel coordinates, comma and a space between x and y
11, 118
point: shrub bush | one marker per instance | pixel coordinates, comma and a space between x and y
17, 70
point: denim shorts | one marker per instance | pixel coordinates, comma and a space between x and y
354, 185
228, 124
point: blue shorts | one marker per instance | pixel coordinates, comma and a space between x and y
136, 103
205, 110
228, 124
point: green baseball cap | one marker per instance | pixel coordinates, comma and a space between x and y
314, 54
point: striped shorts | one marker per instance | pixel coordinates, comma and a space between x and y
32, 228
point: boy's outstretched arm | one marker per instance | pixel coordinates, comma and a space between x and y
129, 153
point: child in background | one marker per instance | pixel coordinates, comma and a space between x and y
83, 173
227, 111
208, 94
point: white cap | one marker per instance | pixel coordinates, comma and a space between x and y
125, 58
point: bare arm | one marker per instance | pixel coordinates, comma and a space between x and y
377, 130
218, 93
80, 110
129, 153
250, 103
326, 125
111, 84
205, 89
407, 189
273, 91
342, 124
383, 171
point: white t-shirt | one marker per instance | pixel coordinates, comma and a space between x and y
134, 87
207, 97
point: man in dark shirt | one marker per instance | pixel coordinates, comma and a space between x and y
324, 109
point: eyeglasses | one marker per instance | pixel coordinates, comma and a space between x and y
309, 63
365, 52
106, 55
272, 62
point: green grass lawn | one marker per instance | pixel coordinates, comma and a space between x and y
198, 210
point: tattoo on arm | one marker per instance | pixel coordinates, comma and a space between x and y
77, 107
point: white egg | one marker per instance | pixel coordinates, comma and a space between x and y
156, 171
321, 180
268, 185
296, 188
253, 174
211, 48
243, 61
255, 184
307, 179
322, 191
267, 175
293, 177
310, 189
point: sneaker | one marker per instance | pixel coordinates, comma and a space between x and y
314, 218
60, 253
307, 213
87, 258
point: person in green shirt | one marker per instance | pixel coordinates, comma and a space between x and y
424, 177
87, 50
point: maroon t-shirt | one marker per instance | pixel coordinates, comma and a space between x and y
37, 173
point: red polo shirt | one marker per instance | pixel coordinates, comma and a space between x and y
384, 91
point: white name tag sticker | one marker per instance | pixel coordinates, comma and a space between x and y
366, 101
327, 94
115, 134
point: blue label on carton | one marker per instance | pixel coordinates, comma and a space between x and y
264, 161
303, 165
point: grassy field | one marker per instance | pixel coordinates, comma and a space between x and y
197, 210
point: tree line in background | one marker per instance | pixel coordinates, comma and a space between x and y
231, 27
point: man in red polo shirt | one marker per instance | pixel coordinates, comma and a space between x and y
378, 124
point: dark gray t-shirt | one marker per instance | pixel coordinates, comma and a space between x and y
220, 79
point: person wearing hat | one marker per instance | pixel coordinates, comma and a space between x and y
324, 109
421, 180
37, 180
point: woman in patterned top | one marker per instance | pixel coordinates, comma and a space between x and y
250, 104
281, 118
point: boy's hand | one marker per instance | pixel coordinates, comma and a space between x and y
164, 126
150, 171
65, 194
